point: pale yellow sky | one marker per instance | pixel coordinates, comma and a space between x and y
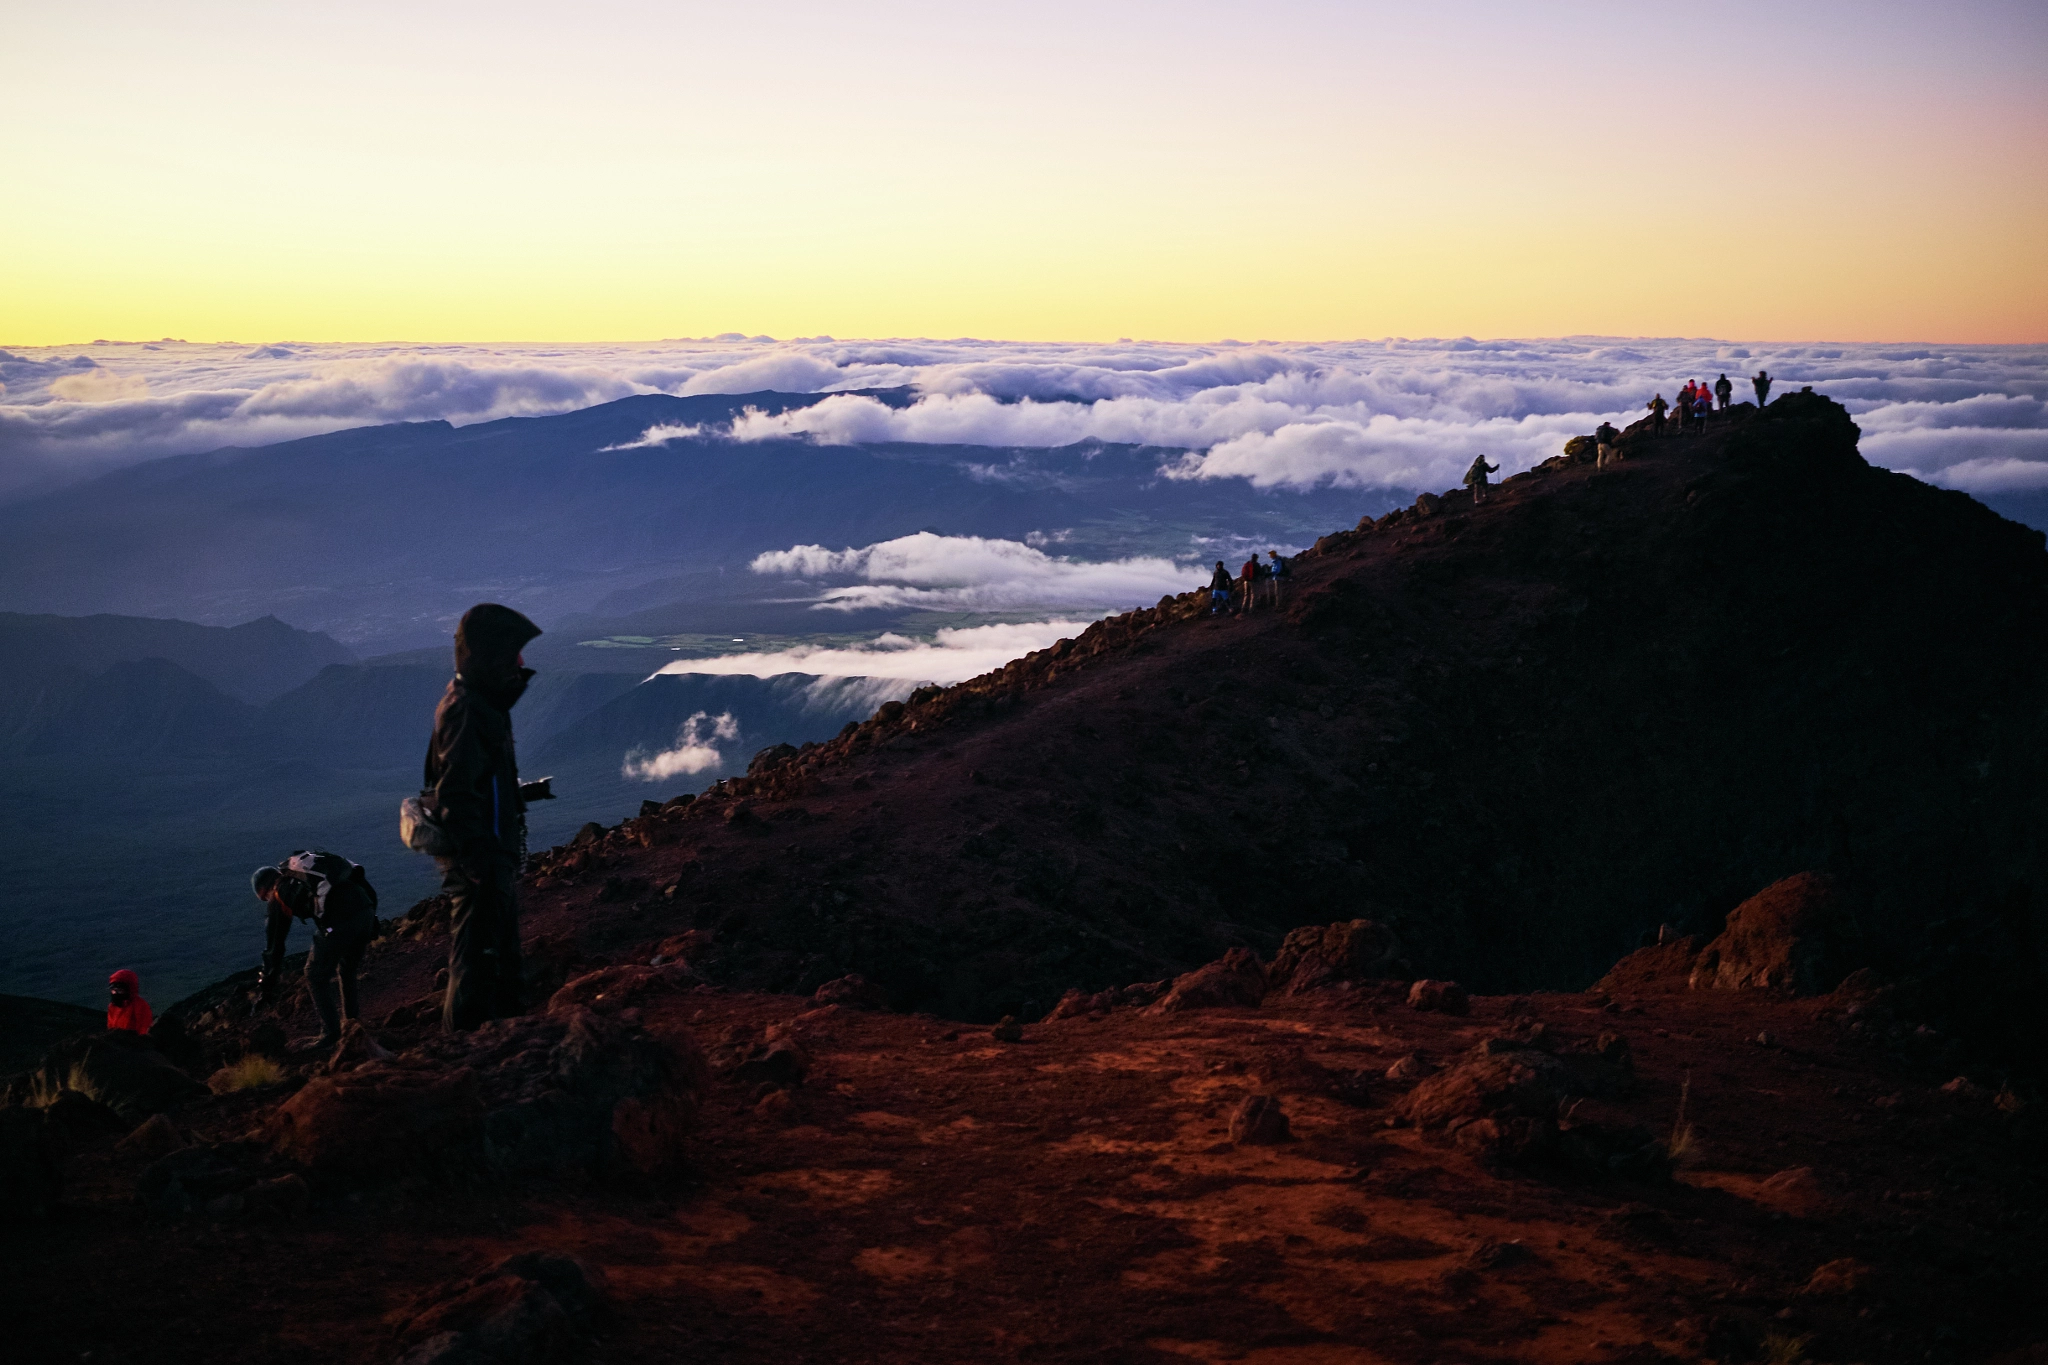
497, 172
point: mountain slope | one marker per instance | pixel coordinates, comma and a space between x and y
1524, 734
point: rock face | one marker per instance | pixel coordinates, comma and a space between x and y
1233, 979
1797, 935
1502, 1104
568, 1091
120, 1070
1332, 954
530, 1309
854, 992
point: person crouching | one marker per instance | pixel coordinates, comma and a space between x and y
127, 1011
336, 898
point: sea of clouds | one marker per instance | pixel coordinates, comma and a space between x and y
1365, 414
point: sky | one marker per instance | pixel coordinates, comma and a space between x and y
440, 171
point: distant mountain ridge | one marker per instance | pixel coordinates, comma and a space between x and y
383, 535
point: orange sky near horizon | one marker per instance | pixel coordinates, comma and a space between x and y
456, 171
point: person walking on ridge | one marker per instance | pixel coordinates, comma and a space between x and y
1762, 383
334, 896
1723, 392
127, 1011
1275, 571
1219, 589
1657, 408
474, 794
1248, 577
1475, 478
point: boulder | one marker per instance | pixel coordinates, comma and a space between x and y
380, 1119
77, 1119
1328, 955
31, 1179
1234, 979
1259, 1122
120, 1070
854, 992
1444, 997
1502, 1104
1798, 935
1665, 966
530, 1309
158, 1137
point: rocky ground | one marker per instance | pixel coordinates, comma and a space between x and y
868, 1186
1101, 1008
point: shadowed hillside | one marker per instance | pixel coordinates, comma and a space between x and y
1525, 734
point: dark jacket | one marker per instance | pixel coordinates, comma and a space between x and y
325, 888
472, 774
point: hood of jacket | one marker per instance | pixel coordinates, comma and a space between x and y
487, 645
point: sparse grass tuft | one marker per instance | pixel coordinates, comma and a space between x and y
1780, 1349
252, 1071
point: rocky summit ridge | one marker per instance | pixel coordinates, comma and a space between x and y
1596, 924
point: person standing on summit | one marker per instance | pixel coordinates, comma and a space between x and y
1219, 589
1475, 478
1762, 383
1723, 392
474, 794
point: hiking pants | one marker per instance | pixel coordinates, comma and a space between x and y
337, 951
483, 946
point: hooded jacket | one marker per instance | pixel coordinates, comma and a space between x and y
133, 1014
472, 774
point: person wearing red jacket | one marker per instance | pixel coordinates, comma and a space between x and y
126, 1009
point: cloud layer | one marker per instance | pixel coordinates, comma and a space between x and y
969, 573
950, 656
1367, 414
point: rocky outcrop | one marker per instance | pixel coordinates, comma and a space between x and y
1259, 1121
1502, 1104
1662, 966
585, 1087
1444, 997
1334, 954
1798, 935
1236, 978
124, 1072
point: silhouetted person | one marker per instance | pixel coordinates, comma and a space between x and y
1606, 447
1762, 383
1475, 478
127, 1011
334, 896
473, 792
1219, 589
1723, 392
1276, 569
1657, 408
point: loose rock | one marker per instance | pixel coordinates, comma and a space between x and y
1446, 997
1798, 935
1234, 979
1259, 1122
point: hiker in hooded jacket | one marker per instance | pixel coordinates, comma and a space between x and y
1657, 407
1724, 392
474, 794
1761, 382
1475, 478
1276, 569
127, 1011
335, 897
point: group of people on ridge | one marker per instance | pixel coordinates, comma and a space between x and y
474, 798
1255, 575
1696, 401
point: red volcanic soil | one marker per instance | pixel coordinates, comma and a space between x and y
931, 1194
